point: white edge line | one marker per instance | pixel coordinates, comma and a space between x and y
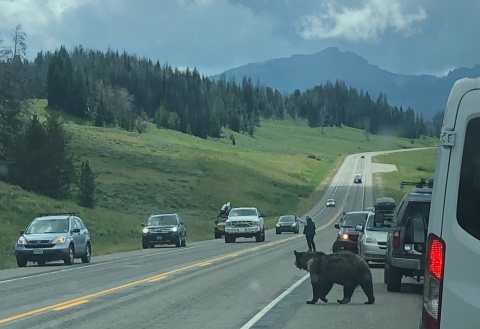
274, 302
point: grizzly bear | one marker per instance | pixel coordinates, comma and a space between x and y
343, 268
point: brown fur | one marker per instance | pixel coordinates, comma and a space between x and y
343, 268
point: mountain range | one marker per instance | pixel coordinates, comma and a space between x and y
426, 94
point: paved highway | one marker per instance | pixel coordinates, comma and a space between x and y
208, 284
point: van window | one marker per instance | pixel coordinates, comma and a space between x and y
468, 204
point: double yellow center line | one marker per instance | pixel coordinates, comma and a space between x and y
85, 299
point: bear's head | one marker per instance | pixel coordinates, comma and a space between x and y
301, 259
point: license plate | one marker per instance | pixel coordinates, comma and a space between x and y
38, 251
159, 237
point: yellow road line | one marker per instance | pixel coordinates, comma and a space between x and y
85, 299
70, 305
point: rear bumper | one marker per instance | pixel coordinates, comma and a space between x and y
407, 263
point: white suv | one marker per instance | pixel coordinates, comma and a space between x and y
244, 223
452, 268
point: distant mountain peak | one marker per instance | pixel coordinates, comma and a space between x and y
426, 94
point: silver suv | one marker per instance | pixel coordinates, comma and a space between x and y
53, 237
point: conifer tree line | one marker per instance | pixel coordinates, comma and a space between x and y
118, 89
35, 155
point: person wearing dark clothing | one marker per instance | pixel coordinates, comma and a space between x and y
309, 231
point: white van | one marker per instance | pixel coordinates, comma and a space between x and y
357, 178
452, 269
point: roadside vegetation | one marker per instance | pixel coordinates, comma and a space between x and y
411, 165
284, 169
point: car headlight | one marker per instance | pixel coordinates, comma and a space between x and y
174, 229
228, 224
59, 240
370, 239
22, 241
277, 225
145, 230
344, 236
294, 224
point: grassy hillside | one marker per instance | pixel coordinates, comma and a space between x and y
280, 170
411, 167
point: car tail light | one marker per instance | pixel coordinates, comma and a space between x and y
433, 285
396, 238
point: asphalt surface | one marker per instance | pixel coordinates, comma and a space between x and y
208, 284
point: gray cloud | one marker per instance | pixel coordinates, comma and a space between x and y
404, 36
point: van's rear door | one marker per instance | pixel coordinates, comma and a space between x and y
458, 178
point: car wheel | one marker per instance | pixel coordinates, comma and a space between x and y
335, 247
179, 242
71, 256
151, 245
263, 235
88, 254
41, 263
278, 232
144, 245
394, 279
21, 262
184, 241
258, 237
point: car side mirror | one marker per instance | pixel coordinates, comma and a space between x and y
359, 228
263, 215
142, 225
181, 223
216, 222
337, 225
418, 228
76, 230
22, 232
224, 216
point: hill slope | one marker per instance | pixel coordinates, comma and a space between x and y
279, 171
426, 94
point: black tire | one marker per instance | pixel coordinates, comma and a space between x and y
145, 245
86, 258
228, 239
394, 279
21, 262
263, 235
278, 232
335, 247
71, 258
41, 263
151, 245
184, 241
178, 243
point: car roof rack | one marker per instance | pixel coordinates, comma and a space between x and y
57, 213
423, 183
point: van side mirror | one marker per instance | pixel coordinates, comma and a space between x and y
359, 228
337, 225
142, 225
418, 228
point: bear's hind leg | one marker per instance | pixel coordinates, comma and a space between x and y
367, 287
347, 294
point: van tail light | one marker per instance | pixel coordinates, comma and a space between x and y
433, 285
396, 238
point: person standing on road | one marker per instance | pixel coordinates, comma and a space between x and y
309, 231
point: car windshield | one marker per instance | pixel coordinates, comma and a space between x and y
42, 226
162, 220
352, 220
286, 219
242, 212
372, 226
330, 200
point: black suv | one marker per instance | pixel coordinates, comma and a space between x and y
164, 229
406, 239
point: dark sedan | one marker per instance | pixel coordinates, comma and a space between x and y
287, 223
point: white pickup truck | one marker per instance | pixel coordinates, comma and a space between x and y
244, 223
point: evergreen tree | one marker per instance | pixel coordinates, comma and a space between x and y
86, 186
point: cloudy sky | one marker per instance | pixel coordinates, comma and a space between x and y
402, 36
